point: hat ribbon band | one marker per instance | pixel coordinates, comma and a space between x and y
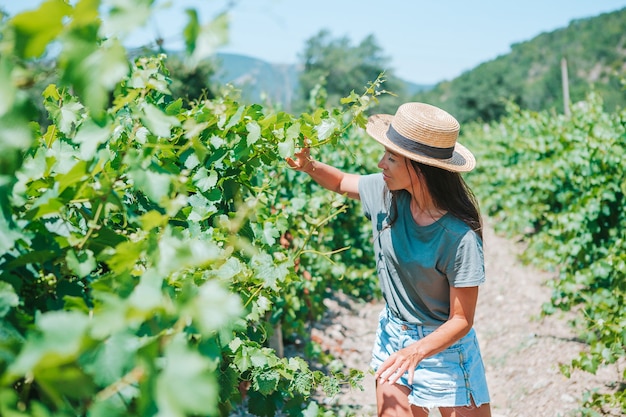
416, 147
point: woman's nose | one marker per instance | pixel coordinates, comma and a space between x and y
381, 163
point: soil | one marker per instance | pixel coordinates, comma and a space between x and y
521, 350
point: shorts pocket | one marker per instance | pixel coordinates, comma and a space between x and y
442, 372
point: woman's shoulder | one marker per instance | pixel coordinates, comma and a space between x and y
371, 193
457, 229
371, 183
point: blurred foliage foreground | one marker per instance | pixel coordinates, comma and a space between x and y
150, 247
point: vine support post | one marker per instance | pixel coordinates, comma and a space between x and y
565, 82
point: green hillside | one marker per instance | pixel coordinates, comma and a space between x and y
530, 75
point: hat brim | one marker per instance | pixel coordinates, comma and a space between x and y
462, 159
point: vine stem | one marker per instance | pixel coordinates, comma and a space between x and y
132, 377
92, 227
316, 226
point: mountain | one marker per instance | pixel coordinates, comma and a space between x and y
257, 78
278, 83
593, 50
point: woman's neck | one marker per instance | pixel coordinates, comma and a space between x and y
424, 211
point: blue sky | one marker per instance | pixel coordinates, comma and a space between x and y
426, 41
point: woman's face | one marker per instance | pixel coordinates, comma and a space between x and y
398, 172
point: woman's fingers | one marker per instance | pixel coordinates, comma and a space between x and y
302, 159
292, 163
394, 367
391, 370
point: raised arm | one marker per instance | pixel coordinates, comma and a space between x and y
325, 175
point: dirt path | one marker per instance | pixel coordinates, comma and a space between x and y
521, 352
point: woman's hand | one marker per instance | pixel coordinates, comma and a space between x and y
303, 161
397, 364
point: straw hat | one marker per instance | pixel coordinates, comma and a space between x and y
423, 133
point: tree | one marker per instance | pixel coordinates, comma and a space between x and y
339, 68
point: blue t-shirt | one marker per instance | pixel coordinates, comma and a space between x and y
418, 264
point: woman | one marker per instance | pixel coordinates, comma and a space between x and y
428, 248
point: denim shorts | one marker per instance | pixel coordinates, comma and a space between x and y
451, 378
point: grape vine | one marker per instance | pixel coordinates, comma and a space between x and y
558, 183
151, 249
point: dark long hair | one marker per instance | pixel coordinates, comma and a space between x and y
449, 192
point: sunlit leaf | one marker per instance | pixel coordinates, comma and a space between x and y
270, 233
113, 359
204, 179
215, 307
254, 133
36, 28
7, 89
191, 31
94, 72
187, 383
8, 298
59, 336
158, 122
147, 295
81, 263
90, 136
155, 185
125, 16
208, 39
326, 128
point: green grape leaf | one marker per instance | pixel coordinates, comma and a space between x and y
158, 122
270, 233
201, 208
210, 37
187, 383
9, 233
175, 253
60, 337
81, 263
175, 107
63, 382
147, 295
8, 298
69, 116
215, 308
154, 185
270, 272
125, 256
7, 88
77, 174
312, 410
266, 381
15, 135
191, 30
326, 128
229, 269
113, 359
205, 179
254, 133
90, 136
152, 219
125, 16
35, 29
286, 148
303, 382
